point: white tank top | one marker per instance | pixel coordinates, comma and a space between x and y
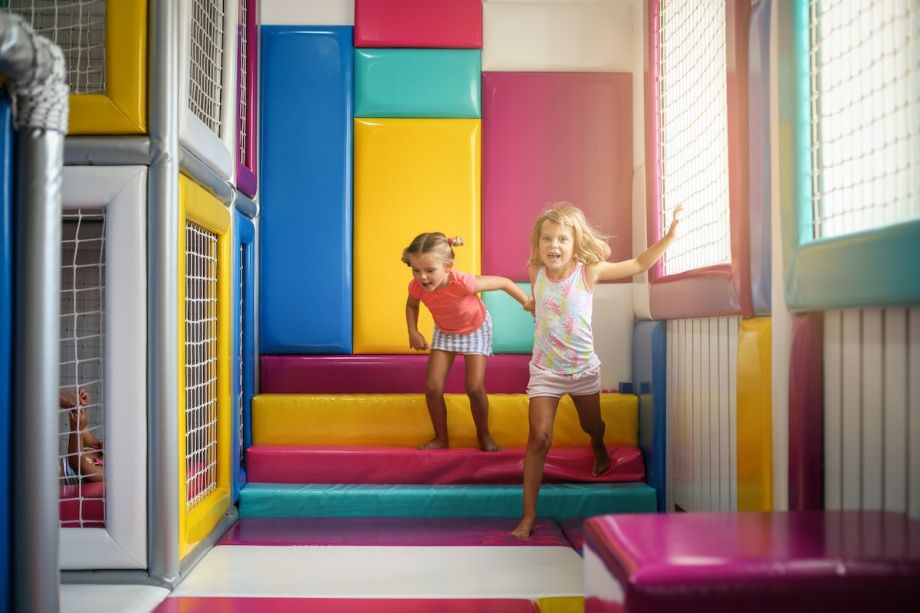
563, 342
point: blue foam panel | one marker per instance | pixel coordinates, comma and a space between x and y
649, 383
243, 350
6, 340
306, 190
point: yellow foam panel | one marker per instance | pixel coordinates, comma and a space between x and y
393, 420
411, 176
755, 439
122, 108
561, 604
199, 206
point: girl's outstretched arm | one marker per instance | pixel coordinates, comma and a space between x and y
610, 271
486, 283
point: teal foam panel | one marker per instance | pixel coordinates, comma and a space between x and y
512, 326
443, 83
557, 501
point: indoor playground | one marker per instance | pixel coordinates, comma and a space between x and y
209, 398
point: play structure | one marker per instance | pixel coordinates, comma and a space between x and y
203, 323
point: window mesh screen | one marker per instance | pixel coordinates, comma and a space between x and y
865, 112
692, 114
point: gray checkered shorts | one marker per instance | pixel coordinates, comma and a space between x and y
477, 341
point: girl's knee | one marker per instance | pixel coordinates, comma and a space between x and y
539, 441
434, 388
476, 392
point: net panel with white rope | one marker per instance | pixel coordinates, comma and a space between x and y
206, 62
201, 326
82, 365
693, 119
241, 353
244, 84
78, 28
865, 96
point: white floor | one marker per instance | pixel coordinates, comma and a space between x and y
110, 598
386, 572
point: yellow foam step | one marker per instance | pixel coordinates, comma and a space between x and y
402, 419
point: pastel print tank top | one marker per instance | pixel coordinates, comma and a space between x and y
563, 342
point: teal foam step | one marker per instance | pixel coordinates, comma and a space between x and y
557, 501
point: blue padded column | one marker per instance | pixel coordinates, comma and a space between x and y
649, 382
243, 333
6, 329
306, 193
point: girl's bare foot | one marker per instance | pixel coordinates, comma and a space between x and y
601, 461
434, 443
524, 528
487, 443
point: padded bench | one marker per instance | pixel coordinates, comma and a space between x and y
796, 562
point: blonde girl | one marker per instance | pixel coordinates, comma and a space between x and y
568, 257
462, 326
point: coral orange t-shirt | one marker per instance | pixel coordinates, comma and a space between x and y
456, 309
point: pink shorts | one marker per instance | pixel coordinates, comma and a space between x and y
547, 383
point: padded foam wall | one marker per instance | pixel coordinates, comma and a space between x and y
306, 193
411, 176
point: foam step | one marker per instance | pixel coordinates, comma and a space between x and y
401, 420
380, 374
558, 501
403, 465
390, 532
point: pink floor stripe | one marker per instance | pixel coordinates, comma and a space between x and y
389, 532
201, 604
400, 465
380, 374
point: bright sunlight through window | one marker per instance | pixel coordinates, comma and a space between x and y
865, 95
692, 113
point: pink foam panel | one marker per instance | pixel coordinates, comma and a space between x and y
418, 23
212, 604
455, 466
390, 532
380, 374
550, 137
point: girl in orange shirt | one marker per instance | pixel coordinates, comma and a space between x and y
462, 325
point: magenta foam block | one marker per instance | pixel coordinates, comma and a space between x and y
548, 137
206, 604
389, 532
794, 562
455, 466
381, 374
444, 24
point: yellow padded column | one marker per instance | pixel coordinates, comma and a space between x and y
755, 430
411, 176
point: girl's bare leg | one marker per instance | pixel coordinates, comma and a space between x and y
589, 416
475, 365
439, 363
541, 414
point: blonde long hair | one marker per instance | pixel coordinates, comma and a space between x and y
590, 246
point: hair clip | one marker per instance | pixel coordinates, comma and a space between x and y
450, 242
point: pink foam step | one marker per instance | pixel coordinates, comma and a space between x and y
380, 374
401, 465
216, 604
390, 532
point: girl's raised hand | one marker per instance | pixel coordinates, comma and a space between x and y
675, 220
